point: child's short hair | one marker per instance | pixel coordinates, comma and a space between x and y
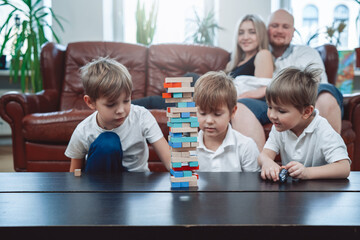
214, 89
294, 86
105, 77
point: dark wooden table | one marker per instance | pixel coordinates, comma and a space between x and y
142, 205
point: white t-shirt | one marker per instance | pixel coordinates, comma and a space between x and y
300, 56
138, 127
317, 145
237, 153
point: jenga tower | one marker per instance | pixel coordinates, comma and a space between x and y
183, 129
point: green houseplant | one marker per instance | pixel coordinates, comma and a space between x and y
146, 26
26, 39
205, 29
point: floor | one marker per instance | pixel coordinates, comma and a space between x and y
6, 158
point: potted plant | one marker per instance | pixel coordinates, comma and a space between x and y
205, 29
26, 39
145, 27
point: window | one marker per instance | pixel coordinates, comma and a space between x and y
341, 14
172, 21
310, 22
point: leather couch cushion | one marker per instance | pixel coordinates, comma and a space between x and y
174, 60
79, 54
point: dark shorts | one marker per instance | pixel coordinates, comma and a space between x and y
259, 106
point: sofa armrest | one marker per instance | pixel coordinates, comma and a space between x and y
17, 105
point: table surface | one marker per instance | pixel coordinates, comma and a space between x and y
160, 182
145, 200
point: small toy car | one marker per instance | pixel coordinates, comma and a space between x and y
283, 175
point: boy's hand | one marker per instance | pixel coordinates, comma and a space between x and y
270, 170
296, 170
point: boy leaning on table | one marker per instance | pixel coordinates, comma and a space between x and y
221, 148
113, 138
309, 147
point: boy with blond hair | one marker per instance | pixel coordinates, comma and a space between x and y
221, 149
113, 138
309, 147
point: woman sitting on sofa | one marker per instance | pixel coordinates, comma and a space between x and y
251, 57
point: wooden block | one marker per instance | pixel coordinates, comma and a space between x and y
173, 115
187, 94
194, 134
185, 154
184, 179
177, 95
178, 79
176, 154
184, 159
77, 172
181, 90
176, 100
182, 139
185, 114
181, 110
183, 149
185, 125
186, 144
194, 144
184, 130
190, 120
166, 95
173, 85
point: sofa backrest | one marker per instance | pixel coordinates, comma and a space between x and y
79, 54
330, 57
174, 60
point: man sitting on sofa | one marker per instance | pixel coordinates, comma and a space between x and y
249, 119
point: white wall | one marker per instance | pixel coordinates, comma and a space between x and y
85, 18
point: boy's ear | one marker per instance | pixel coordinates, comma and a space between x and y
89, 102
232, 114
308, 111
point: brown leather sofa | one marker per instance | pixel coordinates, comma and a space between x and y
42, 123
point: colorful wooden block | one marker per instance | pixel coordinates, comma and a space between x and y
177, 174
183, 139
194, 124
190, 104
175, 185
174, 85
193, 164
166, 95
176, 165
177, 95
185, 115
182, 104
184, 184
190, 120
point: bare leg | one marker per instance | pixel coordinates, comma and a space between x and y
329, 109
246, 123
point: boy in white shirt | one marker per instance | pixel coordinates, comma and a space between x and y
309, 147
221, 149
113, 138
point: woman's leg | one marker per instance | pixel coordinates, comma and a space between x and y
105, 154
